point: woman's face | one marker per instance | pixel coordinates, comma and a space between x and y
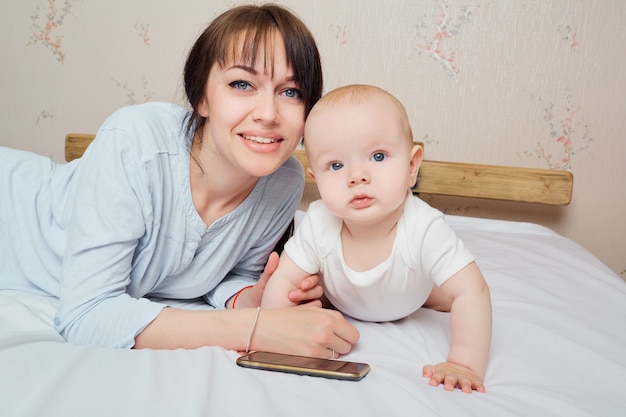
254, 114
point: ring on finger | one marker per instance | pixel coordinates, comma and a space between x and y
332, 354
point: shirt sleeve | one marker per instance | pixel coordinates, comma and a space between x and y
314, 238
299, 247
109, 215
443, 253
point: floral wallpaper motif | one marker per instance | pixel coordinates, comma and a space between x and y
569, 35
143, 30
523, 82
131, 93
339, 32
46, 22
435, 35
568, 135
43, 116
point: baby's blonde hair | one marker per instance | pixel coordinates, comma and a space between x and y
359, 93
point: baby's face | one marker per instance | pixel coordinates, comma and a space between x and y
360, 157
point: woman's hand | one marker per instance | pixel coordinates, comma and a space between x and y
310, 289
305, 330
453, 376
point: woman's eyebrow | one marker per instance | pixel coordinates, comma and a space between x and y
254, 71
246, 68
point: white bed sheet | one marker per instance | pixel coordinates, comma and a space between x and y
559, 349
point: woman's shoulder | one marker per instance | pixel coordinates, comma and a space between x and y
151, 114
293, 167
281, 189
153, 127
289, 174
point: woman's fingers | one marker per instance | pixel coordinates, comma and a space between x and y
310, 289
343, 335
270, 267
305, 330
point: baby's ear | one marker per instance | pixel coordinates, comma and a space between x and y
417, 155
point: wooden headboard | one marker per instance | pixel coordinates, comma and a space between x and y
493, 182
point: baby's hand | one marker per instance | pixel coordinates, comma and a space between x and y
453, 376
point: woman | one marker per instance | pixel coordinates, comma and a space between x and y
175, 204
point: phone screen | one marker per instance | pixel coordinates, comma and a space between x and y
303, 365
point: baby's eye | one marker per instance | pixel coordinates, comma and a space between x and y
335, 166
378, 156
240, 85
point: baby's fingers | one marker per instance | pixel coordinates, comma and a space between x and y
477, 386
428, 371
435, 376
453, 376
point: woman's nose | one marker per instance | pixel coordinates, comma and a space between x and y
265, 109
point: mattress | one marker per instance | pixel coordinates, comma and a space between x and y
558, 349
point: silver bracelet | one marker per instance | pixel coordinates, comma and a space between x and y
256, 318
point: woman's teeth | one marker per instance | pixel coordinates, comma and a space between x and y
259, 139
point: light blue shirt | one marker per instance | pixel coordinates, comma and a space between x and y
117, 225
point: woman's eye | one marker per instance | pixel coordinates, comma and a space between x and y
335, 166
378, 156
293, 93
240, 85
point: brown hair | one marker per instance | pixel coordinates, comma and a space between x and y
257, 24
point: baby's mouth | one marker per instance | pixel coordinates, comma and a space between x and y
361, 201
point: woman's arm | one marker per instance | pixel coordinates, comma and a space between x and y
306, 330
303, 330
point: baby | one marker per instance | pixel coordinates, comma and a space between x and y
382, 253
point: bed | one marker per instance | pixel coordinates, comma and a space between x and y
558, 349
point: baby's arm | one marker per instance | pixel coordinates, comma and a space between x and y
470, 322
286, 278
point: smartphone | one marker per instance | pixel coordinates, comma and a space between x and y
303, 365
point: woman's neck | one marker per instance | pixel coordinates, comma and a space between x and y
216, 189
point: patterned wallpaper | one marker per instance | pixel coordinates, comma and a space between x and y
525, 83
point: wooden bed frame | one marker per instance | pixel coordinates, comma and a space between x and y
493, 182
